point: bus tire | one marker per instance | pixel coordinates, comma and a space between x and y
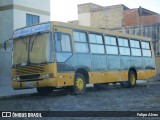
79, 86
100, 86
45, 90
131, 80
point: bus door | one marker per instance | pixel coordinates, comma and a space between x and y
64, 53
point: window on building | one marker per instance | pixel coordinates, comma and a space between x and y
135, 48
146, 49
64, 45
124, 46
80, 42
111, 45
32, 19
96, 44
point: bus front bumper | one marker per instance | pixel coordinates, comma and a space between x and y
50, 82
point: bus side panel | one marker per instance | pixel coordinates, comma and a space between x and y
99, 66
81, 61
113, 64
65, 79
103, 77
149, 65
137, 63
99, 62
125, 66
62, 66
67, 69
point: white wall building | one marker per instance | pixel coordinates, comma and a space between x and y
15, 14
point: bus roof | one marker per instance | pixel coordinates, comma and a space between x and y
78, 27
98, 30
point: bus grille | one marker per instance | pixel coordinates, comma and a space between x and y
29, 69
27, 77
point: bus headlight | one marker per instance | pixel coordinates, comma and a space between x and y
47, 75
18, 78
43, 76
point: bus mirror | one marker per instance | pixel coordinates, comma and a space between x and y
59, 36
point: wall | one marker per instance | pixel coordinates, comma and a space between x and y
6, 16
149, 20
86, 16
98, 19
13, 16
6, 2
19, 18
115, 17
43, 5
84, 19
130, 17
93, 15
6, 26
35, 7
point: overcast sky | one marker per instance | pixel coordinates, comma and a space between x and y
66, 10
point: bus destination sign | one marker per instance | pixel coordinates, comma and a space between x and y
32, 30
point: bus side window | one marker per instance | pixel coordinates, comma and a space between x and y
63, 44
146, 49
96, 44
124, 46
111, 45
80, 42
135, 48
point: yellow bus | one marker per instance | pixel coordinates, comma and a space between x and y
54, 55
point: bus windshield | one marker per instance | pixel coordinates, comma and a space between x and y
33, 49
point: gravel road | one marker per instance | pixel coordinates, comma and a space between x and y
144, 97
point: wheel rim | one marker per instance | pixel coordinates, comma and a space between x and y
132, 79
79, 84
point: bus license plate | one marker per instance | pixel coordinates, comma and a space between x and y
29, 84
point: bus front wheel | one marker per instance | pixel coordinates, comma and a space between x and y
79, 86
131, 80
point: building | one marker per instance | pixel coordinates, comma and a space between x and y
138, 21
15, 14
93, 15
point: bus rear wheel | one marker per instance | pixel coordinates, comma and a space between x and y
45, 90
79, 86
131, 80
